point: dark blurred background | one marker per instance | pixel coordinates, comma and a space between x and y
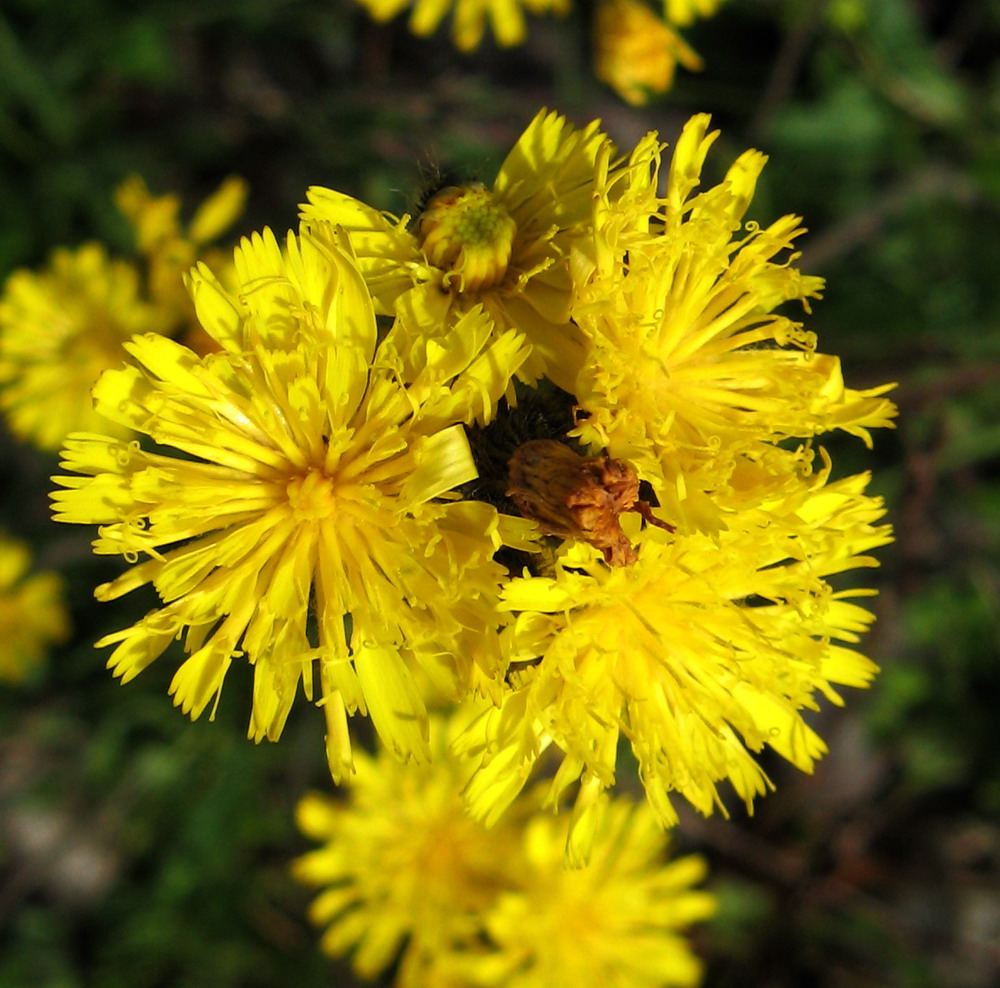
137, 849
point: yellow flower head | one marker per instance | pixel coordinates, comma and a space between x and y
404, 869
691, 374
59, 329
300, 522
618, 921
468, 235
700, 652
32, 612
505, 17
635, 52
171, 249
506, 248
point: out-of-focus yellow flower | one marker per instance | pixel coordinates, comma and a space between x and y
301, 523
704, 650
171, 249
32, 612
506, 248
506, 17
691, 375
635, 52
405, 873
59, 329
685, 12
621, 920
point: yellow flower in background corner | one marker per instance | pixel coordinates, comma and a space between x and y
506, 17
621, 920
32, 612
506, 248
691, 375
62, 326
404, 872
59, 329
700, 652
635, 52
300, 523
172, 249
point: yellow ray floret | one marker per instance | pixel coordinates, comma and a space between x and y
299, 523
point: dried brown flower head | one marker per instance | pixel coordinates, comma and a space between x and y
577, 497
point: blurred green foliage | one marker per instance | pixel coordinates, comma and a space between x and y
141, 850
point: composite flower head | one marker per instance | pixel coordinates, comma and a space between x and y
692, 375
505, 17
405, 873
635, 52
701, 652
59, 329
32, 612
506, 247
621, 920
293, 512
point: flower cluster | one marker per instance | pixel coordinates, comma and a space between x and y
548, 448
709, 643
62, 326
407, 878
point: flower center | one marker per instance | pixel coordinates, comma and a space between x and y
469, 236
311, 497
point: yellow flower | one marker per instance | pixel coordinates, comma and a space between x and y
59, 329
619, 921
700, 652
32, 612
635, 52
505, 17
691, 375
685, 12
404, 871
506, 248
301, 522
169, 248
